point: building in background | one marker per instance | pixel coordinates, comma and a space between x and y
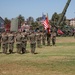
68, 21
72, 22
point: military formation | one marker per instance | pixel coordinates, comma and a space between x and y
21, 39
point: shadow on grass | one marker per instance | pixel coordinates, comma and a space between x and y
1, 52
27, 51
36, 53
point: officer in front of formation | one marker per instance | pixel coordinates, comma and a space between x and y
53, 34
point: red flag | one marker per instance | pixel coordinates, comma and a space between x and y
7, 27
60, 32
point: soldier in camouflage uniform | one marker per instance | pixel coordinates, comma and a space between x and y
10, 42
19, 42
48, 37
43, 37
4, 41
32, 38
38, 38
26, 38
53, 35
24, 42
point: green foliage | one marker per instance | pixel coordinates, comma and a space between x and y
21, 19
6, 21
55, 18
30, 20
68, 30
34, 25
38, 19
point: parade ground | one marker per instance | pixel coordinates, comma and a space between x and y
48, 60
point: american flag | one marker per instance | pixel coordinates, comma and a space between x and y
45, 22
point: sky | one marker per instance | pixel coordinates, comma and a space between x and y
35, 8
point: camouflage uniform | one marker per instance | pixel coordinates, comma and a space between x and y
48, 34
32, 38
24, 42
19, 42
43, 38
26, 38
53, 35
48, 39
11, 42
38, 38
4, 41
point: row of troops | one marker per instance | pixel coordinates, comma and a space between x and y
7, 40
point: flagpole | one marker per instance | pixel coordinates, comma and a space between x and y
47, 17
48, 24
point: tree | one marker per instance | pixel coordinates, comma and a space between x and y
6, 21
30, 20
21, 19
7, 24
55, 18
38, 19
34, 25
40, 26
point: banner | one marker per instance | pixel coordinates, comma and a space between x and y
14, 25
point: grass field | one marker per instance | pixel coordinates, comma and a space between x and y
50, 60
